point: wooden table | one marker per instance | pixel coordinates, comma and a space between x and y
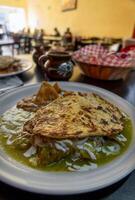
125, 189
4, 43
52, 38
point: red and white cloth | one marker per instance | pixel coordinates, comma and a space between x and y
98, 55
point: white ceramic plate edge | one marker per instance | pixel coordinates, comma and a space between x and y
29, 65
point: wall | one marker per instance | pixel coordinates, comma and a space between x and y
14, 3
92, 18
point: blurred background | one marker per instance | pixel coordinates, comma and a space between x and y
105, 27
113, 18
75, 22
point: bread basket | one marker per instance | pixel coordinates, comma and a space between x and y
100, 63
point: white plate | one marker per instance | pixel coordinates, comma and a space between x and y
20, 176
26, 66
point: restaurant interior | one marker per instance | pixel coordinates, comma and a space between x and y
83, 45
32, 28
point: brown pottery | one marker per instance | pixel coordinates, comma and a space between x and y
57, 65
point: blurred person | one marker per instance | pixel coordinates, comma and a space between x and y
56, 32
42, 33
67, 37
28, 31
41, 36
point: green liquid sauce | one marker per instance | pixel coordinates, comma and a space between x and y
16, 117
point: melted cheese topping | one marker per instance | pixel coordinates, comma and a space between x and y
76, 115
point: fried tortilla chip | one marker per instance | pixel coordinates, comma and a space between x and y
46, 94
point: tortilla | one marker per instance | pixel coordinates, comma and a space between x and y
76, 115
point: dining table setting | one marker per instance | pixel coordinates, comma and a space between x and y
76, 72
67, 100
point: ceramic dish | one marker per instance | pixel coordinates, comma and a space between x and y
104, 72
25, 178
26, 65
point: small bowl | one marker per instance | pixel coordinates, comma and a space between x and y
104, 72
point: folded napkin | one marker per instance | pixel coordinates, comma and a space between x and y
9, 83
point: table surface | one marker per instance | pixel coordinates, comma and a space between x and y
124, 190
53, 38
6, 42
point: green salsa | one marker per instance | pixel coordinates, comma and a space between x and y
63, 155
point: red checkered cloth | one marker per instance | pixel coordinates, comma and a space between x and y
98, 55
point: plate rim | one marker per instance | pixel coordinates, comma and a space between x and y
29, 66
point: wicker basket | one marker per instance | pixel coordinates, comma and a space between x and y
104, 72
